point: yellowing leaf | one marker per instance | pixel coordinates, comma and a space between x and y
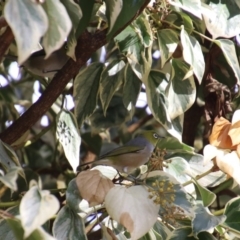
219, 136
93, 186
229, 163
132, 208
234, 133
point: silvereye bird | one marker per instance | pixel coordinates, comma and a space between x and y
45, 67
132, 155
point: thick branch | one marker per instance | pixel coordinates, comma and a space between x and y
86, 46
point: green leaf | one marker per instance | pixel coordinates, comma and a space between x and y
161, 229
167, 42
187, 22
73, 196
36, 207
229, 52
111, 79
232, 210
75, 14
68, 135
5, 230
113, 9
191, 6
128, 11
170, 193
182, 233
131, 89
204, 221
116, 114
85, 91
87, 8
29, 24
177, 167
206, 236
143, 30
207, 197
181, 92
10, 178
8, 158
158, 103
69, 225
38, 234
222, 19
175, 145
192, 54
59, 27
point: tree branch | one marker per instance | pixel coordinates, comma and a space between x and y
87, 44
3, 22
5, 39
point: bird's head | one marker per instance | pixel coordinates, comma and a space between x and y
152, 137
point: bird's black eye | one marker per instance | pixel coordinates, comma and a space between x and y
155, 135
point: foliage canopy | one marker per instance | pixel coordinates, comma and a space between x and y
83, 97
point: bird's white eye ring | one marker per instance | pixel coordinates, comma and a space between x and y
155, 135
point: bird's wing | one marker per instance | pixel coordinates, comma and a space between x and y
122, 150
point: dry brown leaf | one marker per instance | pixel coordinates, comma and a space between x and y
219, 136
93, 186
234, 133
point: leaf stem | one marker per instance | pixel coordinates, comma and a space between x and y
224, 185
198, 33
218, 212
8, 204
197, 177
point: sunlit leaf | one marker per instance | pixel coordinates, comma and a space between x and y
85, 91
219, 20
29, 24
36, 207
131, 89
68, 135
111, 79
192, 54
167, 41
113, 9
158, 102
143, 29
128, 11
68, 225
181, 93
75, 14
192, 6
229, 52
